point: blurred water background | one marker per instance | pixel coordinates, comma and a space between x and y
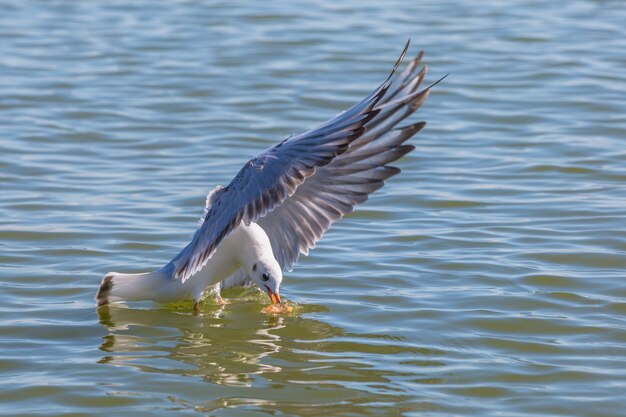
486, 279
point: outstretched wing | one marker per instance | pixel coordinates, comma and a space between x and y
266, 181
335, 189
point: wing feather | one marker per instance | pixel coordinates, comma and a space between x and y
274, 177
335, 188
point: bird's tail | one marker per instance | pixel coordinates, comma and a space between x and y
128, 287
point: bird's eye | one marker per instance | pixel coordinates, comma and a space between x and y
265, 277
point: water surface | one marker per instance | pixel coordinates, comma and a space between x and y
486, 279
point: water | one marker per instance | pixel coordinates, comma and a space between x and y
486, 279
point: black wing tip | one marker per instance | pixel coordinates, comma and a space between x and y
437, 82
392, 171
414, 127
402, 55
380, 92
397, 64
404, 149
384, 87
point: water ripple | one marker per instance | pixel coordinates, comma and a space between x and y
486, 279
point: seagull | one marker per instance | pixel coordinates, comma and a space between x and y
283, 200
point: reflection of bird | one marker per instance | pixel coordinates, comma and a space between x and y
224, 349
281, 202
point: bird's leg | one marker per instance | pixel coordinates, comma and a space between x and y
215, 290
196, 302
219, 299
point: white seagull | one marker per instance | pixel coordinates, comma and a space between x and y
282, 201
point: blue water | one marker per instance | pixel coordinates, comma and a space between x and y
486, 279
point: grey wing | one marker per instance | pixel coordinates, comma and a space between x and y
335, 189
266, 181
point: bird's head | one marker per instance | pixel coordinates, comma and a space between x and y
267, 275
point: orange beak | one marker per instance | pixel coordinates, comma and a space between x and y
273, 296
